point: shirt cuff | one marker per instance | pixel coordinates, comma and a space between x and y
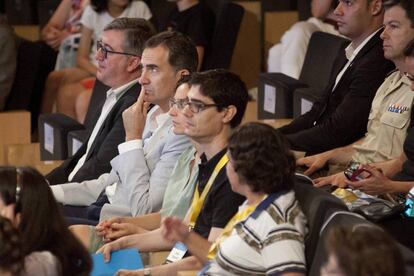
130, 145
58, 193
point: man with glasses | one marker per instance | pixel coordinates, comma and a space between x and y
140, 173
216, 103
118, 56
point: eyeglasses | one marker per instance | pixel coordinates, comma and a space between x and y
180, 103
100, 47
409, 76
194, 107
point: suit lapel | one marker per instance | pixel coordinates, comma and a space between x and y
366, 49
114, 109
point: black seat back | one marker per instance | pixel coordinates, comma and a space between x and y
315, 204
323, 48
225, 35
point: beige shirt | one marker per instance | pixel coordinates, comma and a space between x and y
388, 121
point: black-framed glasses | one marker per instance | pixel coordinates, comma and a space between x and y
179, 103
409, 76
101, 47
196, 107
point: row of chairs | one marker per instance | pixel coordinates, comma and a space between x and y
289, 97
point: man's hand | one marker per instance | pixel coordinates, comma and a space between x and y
338, 180
115, 228
313, 163
109, 247
134, 118
376, 184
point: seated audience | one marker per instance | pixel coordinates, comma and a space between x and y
62, 31
390, 115
216, 103
8, 59
261, 168
401, 183
194, 19
65, 85
177, 196
119, 71
14, 262
353, 83
287, 57
26, 199
362, 251
139, 175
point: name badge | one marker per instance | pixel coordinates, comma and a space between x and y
177, 253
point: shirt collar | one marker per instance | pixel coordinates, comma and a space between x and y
351, 52
210, 164
118, 92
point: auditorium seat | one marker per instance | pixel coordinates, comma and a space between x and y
54, 128
277, 91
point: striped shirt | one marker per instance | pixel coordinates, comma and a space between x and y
270, 244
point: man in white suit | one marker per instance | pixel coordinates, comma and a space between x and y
140, 172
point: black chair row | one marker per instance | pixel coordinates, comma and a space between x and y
281, 96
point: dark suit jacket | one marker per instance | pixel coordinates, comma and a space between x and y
103, 149
341, 117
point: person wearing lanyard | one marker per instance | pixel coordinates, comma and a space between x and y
216, 104
266, 236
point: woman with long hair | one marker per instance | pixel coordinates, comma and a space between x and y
26, 199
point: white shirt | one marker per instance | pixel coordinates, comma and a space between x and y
351, 53
112, 96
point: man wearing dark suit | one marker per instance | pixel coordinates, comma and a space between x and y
341, 117
119, 56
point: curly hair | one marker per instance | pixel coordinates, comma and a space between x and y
365, 250
261, 158
11, 252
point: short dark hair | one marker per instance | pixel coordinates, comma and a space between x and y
182, 52
224, 88
407, 5
365, 250
262, 158
409, 50
101, 5
136, 32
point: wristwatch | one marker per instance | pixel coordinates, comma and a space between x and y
147, 272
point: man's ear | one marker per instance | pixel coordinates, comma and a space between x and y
376, 7
229, 113
133, 63
182, 72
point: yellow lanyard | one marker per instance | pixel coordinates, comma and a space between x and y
239, 216
198, 200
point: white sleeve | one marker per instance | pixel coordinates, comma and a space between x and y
130, 145
88, 18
